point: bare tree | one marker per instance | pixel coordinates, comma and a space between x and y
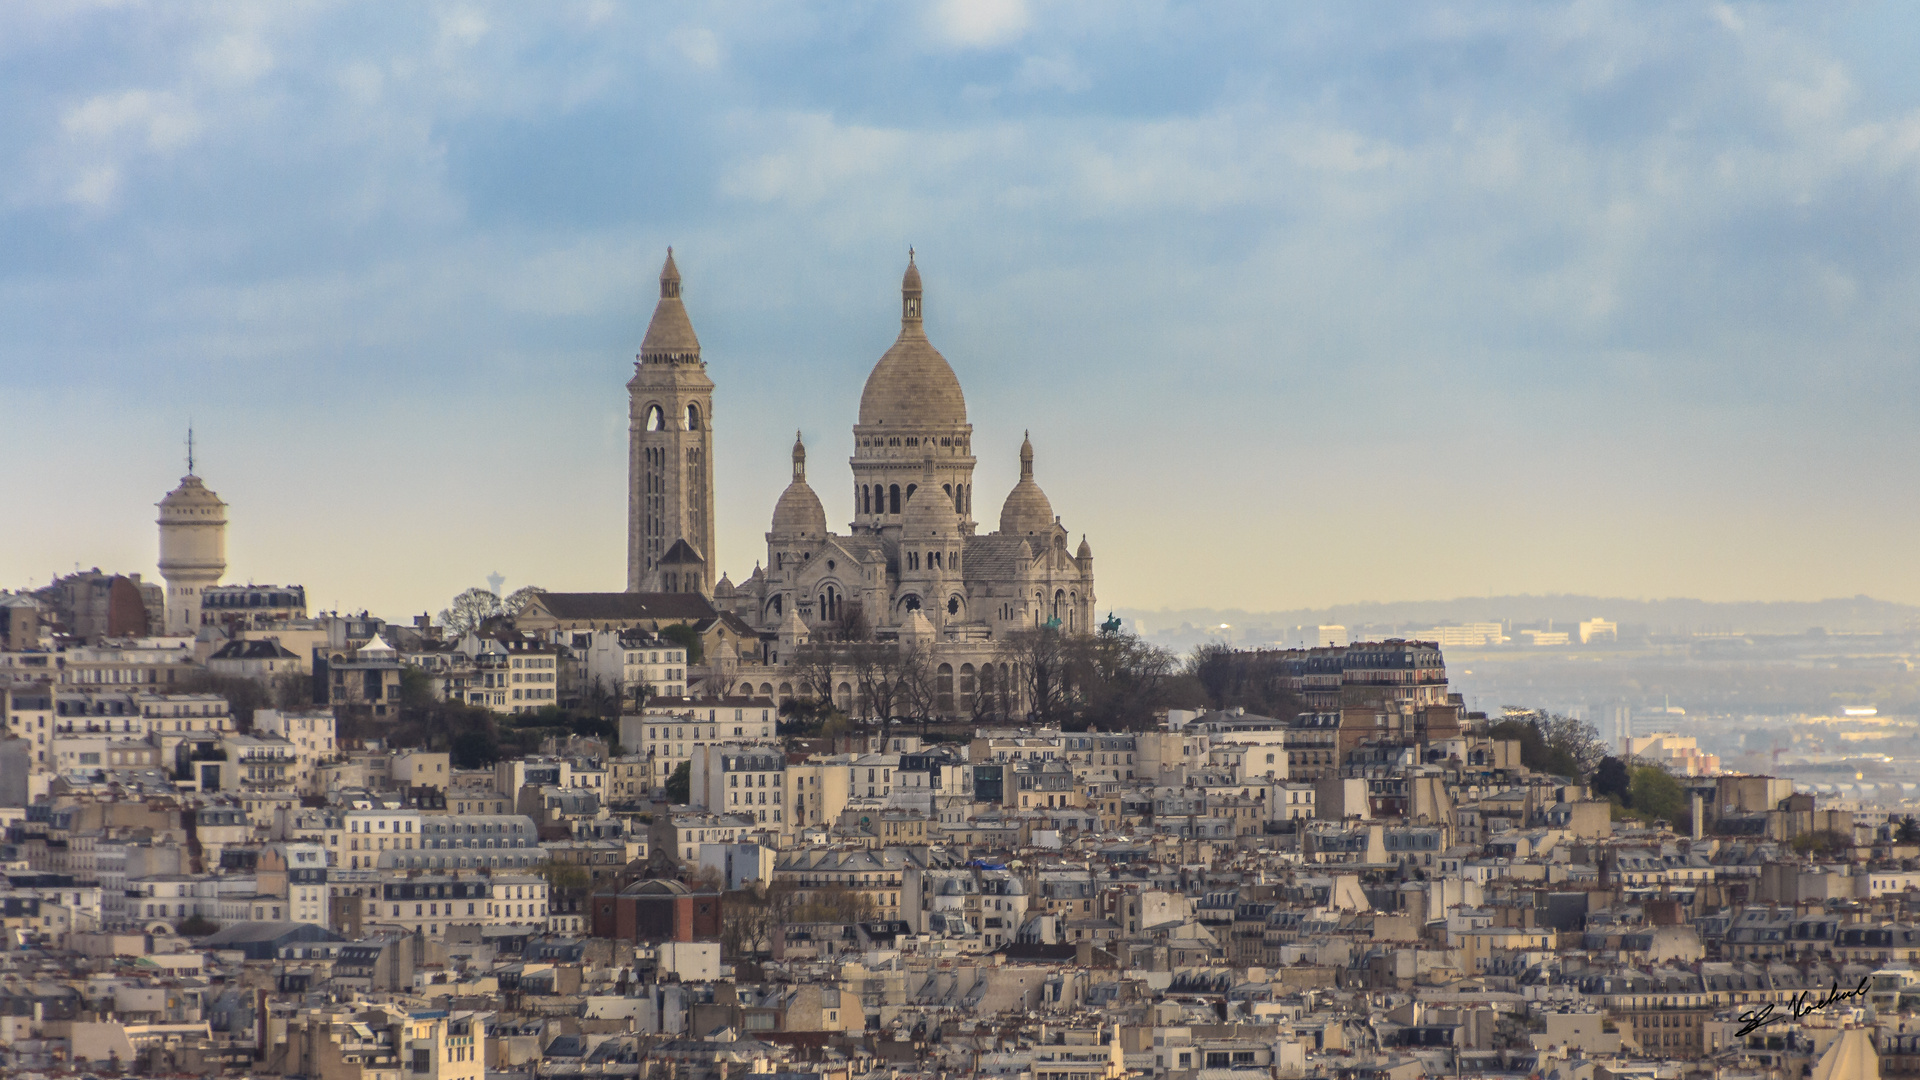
919, 689
1041, 660
1124, 680
518, 599
817, 664
468, 611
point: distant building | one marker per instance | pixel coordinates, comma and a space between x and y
193, 549
1598, 630
246, 607
1466, 635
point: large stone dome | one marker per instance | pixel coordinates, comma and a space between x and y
912, 387
799, 513
1026, 511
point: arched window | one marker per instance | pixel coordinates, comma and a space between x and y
866, 500
933, 560
969, 685
911, 488
911, 603
693, 417
943, 688
893, 498
775, 606
953, 605
844, 697
656, 419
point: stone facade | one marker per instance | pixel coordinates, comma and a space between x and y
914, 564
670, 453
914, 547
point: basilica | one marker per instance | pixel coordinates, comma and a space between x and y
913, 563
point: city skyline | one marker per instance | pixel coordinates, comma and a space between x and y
1635, 320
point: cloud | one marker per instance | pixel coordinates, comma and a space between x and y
1593, 268
162, 121
980, 23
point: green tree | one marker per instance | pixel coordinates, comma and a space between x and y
1909, 830
1611, 779
416, 688
687, 638
291, 689
563, 875
475, 749
1655, 794
680, 784
197, 926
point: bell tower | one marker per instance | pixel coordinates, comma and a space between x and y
670, 454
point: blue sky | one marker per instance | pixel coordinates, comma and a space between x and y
1303, 304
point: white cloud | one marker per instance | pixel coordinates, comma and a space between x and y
162, 120
95, 187
697, 46
980, 23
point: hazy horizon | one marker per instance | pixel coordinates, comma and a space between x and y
1305, 308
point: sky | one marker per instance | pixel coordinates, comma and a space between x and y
1303, 304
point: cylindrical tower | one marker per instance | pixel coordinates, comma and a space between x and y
193, 549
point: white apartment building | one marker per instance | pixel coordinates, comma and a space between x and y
533, 677
359, 836
431, 903
622, 661
667, 731
310, 731
872, 775
747, 779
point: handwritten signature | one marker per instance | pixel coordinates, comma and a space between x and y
1800, 1005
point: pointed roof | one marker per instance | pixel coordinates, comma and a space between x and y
915, 627
681, 552
792, 629
670, 333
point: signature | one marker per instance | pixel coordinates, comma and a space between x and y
1801, 1005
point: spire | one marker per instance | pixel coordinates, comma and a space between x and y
799, 459
910, 294
670, 335
669, 278
189, 448
1026, 455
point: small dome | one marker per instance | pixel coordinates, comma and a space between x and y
912, 386
799, 513
670, 333
1086, 549
1026, 511
929, 512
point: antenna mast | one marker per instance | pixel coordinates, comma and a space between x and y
189, 448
